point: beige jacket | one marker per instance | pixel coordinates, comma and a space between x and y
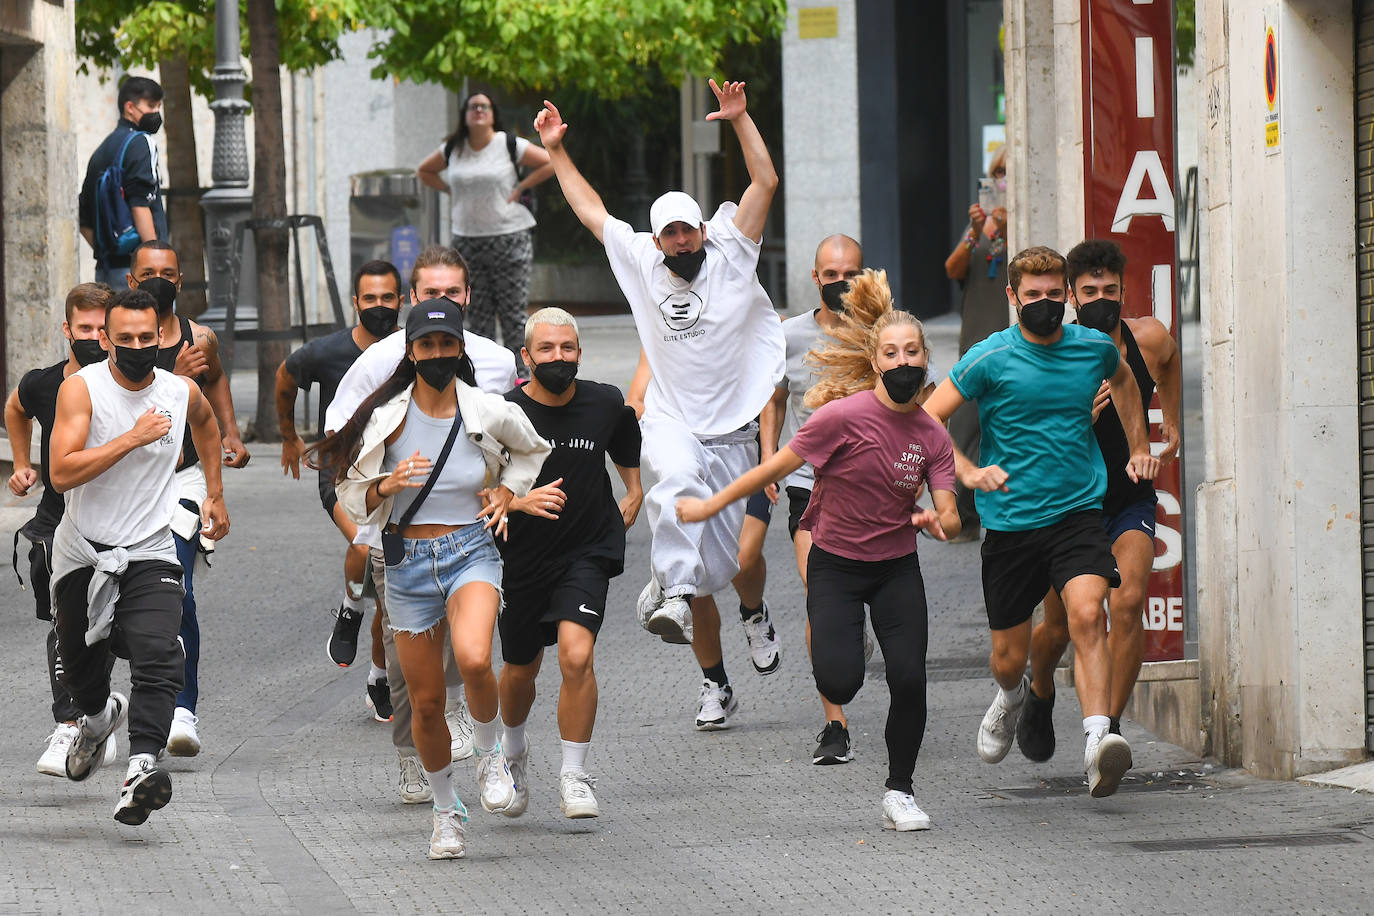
513, 450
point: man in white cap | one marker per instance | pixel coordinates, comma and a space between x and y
699, 308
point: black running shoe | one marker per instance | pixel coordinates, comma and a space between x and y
832, 745
343, 642
143, 793
379, 700
1035, 728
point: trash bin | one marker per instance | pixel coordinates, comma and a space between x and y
391, 216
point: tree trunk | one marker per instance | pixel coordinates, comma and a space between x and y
269, 202
183, 173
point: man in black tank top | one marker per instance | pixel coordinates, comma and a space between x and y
192, 351
1096, 283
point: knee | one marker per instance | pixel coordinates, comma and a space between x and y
426, 705
1125, 614
839, 683
473, 660
575, 662
1007, 662
1054, 632
1086, 620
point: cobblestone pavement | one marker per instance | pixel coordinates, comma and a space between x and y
292, 807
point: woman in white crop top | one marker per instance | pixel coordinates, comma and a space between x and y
442, 566
494, 231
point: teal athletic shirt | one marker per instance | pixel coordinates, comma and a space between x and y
1035, 405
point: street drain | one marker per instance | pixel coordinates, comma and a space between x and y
1062, 786
1277, 841
957, 669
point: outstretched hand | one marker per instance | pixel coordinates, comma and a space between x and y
550, 126
731, 98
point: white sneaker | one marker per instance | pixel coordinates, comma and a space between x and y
88, 753
53, 762
1106, 760
649, 600
998, 729
182, 739
716, 705
519, 773
494, 781
672, 622
901, 813
413, 783
575, 795
460, 730
146, 789
446, 842
765, 650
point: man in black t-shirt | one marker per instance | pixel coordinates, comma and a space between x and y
36, 399
562, 549
324, 361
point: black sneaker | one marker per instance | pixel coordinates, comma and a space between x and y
379, 700
832, 745
1035, 727
143, 793
343, 642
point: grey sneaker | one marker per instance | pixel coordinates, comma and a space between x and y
446, 842
672, 622
519, 770
649, 599
1108, 759
998, 728
87, 753
460, 730
575, 795
413, 783
494, 781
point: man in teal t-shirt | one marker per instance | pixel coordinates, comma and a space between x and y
1040, 496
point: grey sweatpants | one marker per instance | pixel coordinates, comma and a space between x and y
693, 558
396, 680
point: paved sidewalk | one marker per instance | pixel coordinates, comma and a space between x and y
292, 807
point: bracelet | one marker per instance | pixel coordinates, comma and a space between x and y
970, 240
378, 485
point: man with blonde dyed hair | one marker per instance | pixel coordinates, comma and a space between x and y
564, 546
36, 399
1040, 496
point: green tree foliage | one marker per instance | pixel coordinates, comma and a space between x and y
1185, 29
610, 50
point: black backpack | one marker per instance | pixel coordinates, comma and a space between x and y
526, 196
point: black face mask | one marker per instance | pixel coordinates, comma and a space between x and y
164, 291
556, 375
688, 265
832, 295
439, 371
151, 122
135, 364
904, 382
1043, 316
379, 321
1102, 314
88, 352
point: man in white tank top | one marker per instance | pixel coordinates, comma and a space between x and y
116, 579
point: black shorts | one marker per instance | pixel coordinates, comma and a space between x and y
798, 498
1019, 567
759, 507
328, 497
535, 605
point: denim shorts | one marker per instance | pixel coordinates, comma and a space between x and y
418, 589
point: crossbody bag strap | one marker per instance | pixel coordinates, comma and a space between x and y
438, 466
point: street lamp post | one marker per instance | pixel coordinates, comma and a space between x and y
229, 201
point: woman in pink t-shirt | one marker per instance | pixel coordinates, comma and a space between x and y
874, 449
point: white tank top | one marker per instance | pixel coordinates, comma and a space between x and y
453, 499
135, 497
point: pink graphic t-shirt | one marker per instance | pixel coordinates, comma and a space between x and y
870, 462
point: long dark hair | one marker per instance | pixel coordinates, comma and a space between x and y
335, 453
455, 140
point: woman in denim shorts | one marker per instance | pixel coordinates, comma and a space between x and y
442, 567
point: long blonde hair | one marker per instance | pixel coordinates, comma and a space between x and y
846, 361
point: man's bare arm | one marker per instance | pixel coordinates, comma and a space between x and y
581, 196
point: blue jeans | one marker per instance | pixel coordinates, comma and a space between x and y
190, 627
433, 569
113, 277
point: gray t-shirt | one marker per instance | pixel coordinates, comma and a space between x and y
803, 334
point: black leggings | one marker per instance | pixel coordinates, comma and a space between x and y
837, 590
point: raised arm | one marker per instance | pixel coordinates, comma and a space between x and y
763, 178
583, 199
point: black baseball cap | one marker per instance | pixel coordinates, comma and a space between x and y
434, 315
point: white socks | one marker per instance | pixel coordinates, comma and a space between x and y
441, 784
1014, 697
136, 764
575, 756
352, 604
375, 674
100, 723
485, 735
1096, 726
513, 741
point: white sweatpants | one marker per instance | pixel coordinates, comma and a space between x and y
693, 558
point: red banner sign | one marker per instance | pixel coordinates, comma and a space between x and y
1128, 184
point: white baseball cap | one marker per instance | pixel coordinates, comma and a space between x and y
674, 207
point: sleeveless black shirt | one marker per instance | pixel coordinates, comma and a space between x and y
167, 359
1111, 437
